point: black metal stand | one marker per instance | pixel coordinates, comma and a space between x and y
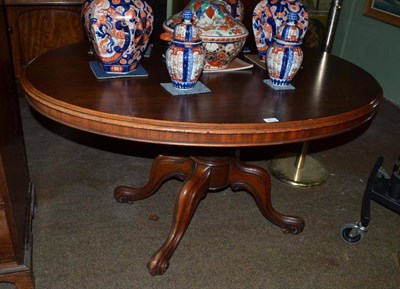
382, 189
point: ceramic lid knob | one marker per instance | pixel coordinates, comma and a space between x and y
187, 15
293, 17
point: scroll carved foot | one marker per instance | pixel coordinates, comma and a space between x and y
257, 182
164, 168
193, 190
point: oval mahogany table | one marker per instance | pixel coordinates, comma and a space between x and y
331, 96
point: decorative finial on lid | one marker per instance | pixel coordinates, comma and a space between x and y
187, 15
293, 17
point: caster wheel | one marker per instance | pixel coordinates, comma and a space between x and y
352, 233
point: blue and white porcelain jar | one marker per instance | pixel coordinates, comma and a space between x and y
285, 56
185, 55
119, 31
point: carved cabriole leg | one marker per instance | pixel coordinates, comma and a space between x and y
257, 182
164, 168
193, 190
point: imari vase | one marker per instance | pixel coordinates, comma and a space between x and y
185, 56
119, 31
284, 56
269, 15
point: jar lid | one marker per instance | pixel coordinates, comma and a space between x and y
186, 31
289, 31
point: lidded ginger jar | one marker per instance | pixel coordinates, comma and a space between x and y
185, 56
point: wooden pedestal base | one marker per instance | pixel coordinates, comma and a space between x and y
200, 175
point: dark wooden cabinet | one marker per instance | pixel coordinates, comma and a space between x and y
16, 192
36, 27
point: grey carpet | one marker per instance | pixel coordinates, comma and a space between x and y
83, 238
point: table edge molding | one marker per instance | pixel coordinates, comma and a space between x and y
189, 133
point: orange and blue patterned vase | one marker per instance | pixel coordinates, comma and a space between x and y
285, 56
185, 55
119, 31
269, 15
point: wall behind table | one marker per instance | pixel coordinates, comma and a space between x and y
371, 44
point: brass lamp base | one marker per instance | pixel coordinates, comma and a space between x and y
311, 173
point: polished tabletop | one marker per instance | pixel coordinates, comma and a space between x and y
331, 96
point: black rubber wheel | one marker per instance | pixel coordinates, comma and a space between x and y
351, 234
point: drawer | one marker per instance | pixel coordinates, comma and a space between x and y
6, 248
